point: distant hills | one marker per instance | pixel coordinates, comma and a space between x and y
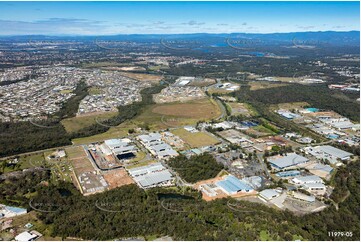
350, 38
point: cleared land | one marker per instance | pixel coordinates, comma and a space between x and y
161, 116
290, 106
77, 123
204, 108
117, 178
239, 109
194, 140
257, 85
143, 77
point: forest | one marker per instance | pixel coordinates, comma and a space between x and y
196, 168
130, 211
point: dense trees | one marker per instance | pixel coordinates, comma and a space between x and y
196, 168
130, 211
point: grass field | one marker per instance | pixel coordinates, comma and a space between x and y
26, 161
95, 91
195, 140
159, 117
76, 123
289, 106
257, 85
143, 77
199, 109
75, 152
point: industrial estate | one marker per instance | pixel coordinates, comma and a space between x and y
180, 137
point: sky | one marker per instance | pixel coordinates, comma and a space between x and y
108, 18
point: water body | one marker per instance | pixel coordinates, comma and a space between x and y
313, 110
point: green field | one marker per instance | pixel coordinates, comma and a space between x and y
158, 117
77, 123
195, 140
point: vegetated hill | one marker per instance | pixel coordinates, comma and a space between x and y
329, 38
196, 168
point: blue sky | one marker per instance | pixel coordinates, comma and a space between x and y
103, 18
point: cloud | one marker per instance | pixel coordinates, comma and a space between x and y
244, 23
222, 24
339, 27
159, 23
53, 26
306, 27
193, 23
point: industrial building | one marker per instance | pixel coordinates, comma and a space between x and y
307, 179
232, 185
147, 139
329, 153
28, 236
318, 188
153, 142
285, 174
268, 194
303, 197
151, 175
121, 148
289, 160
8, 211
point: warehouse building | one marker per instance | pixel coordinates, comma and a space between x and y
307, 179
8, 211
232, 185
329, 153
303, 197
151, 176
121, 148
148, 139
287, 161
268, 194
153, 142
318, 188
285, 174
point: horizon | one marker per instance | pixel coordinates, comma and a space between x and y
126, 18
205, 33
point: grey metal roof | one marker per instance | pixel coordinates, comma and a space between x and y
314, 185
334, 151
309, 179
290, 159
161, 147
322, 167
120, 150
149, 137
154, 178
268, 193
146, 169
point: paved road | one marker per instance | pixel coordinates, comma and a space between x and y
264, 166
223, 109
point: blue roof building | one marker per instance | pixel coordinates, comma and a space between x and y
288, 173
232, 185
